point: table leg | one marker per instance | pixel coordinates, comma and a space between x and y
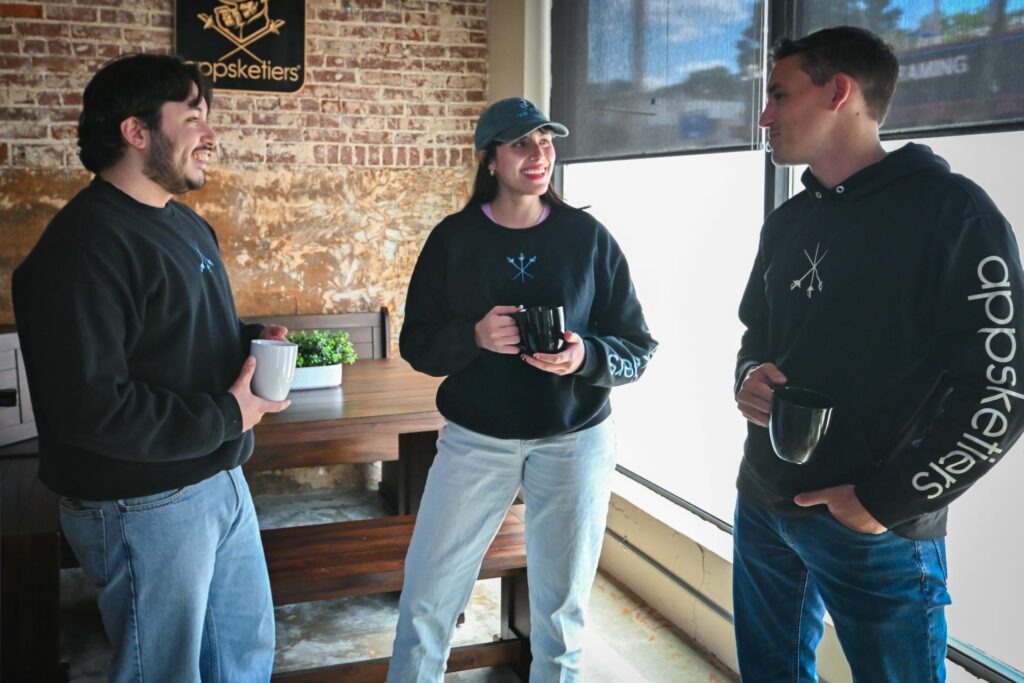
29, 573
403, 480
31, 608
515, 618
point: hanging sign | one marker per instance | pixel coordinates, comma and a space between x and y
244, 44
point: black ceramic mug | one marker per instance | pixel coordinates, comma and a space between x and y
541, 329
798, 421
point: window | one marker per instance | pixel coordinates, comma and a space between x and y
960, 60
984, 559
633, 77
980, 566
688, 226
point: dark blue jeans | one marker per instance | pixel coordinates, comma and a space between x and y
886, 595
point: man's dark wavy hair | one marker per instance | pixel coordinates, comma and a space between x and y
131, 85
853, 51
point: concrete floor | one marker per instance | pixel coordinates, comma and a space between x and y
626, 642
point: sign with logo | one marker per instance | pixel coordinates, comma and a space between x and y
244, 44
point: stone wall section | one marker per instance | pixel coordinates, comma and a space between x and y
321, 198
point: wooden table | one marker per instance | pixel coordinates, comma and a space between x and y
383, 411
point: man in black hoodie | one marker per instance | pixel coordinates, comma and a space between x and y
137, 367
889, 284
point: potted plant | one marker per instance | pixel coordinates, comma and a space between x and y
319, 359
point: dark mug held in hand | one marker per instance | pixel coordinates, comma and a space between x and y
541, 329
798, 421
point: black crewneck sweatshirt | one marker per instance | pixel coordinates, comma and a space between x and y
131, 341
898, 293
470, 264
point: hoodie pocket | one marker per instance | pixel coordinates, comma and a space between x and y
842, 457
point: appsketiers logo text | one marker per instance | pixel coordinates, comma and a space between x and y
981, 444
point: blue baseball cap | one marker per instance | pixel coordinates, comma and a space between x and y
511, 119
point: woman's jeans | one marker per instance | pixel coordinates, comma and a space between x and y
886, 595
182, 582
474, 479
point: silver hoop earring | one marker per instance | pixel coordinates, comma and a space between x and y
492, 171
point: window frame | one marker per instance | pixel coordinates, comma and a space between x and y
781, 18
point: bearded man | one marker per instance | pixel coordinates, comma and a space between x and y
145, 417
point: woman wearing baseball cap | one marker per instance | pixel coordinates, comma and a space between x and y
515, 419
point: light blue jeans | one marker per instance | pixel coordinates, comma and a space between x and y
474, 479
886, 595
182, 582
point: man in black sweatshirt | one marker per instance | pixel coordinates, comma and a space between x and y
137, 364
889, 284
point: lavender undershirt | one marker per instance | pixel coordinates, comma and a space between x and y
487, 212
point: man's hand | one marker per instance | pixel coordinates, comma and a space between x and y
497, 330
754, 399
276, 332
252, 406
566, 361
844, 505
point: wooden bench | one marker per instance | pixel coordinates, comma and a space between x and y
326, 561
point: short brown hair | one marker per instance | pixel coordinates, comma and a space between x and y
850, 50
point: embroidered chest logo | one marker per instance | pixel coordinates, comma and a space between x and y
205, 264
522, 265
815, 282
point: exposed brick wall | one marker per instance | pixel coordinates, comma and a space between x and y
391, 83
391, 86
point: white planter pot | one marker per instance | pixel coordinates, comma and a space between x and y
317, 377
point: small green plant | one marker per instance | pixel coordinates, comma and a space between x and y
318, 348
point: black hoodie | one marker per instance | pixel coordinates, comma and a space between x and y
131, 342
470, 264
895, 294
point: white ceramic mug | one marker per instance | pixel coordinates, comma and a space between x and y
275, 368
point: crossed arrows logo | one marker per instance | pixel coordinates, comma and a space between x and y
521, 266
242, 22
812, 272
205, 264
